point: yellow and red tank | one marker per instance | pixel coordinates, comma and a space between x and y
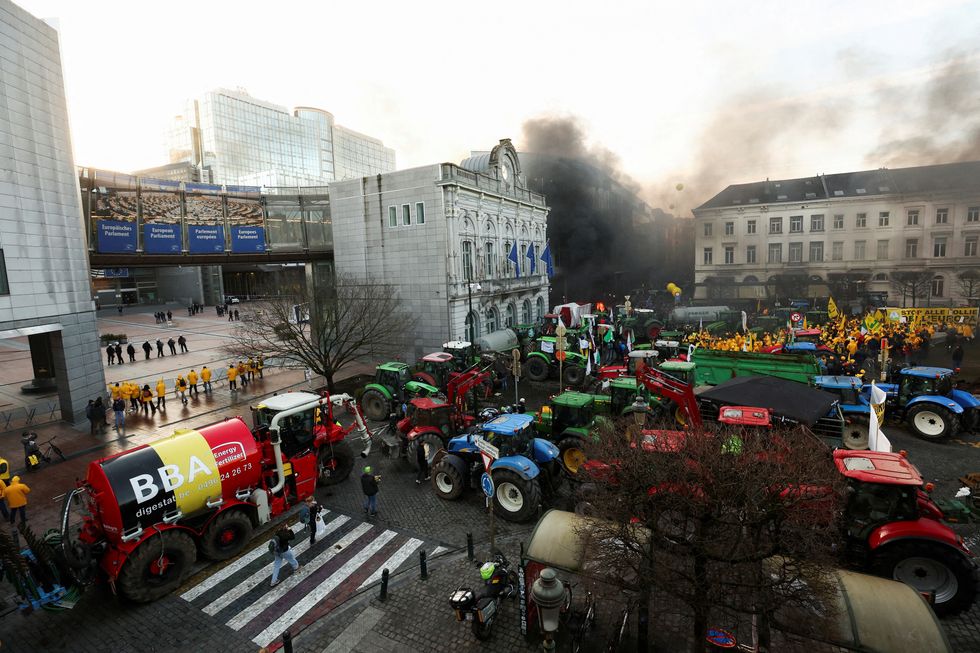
178, 474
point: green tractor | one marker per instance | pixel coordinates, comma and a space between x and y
392, 386
543, 363
621, 400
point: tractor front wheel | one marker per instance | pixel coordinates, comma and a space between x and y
929, 568
334, 463
226, 535
573, 375
537, 369
515, 499
158, 566
571, 454
375, 405
931, 422
446, 480
856, 433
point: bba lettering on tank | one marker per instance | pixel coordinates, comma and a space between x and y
179, 474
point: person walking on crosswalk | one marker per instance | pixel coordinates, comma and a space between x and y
280, 549
180, 387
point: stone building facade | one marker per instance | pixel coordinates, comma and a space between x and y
442, 234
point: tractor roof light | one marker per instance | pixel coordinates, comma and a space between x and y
929, 487
903, 453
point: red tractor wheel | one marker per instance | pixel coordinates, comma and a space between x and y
227, 535
928, 567
158, 566
334, 463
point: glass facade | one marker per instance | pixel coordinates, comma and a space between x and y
246, 141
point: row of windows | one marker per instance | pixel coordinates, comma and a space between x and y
795, 251
491, 263
938, 282
491, 318
860, 221
406, 215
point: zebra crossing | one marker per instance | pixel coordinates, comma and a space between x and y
347, 559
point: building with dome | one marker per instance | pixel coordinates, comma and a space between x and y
442, 234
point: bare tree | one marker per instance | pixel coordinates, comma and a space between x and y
969, 286
912, 285
348, 319
736, 522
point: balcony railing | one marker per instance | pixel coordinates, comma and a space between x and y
480, 181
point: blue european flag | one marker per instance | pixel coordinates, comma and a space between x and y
546, 257
530, 256
513, 257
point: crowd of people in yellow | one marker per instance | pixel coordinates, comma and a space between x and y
185, 386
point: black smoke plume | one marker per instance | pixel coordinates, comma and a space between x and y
606, 240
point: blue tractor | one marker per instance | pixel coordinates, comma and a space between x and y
854, 406
926, 399
523, 467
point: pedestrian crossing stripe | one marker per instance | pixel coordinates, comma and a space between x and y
345, 560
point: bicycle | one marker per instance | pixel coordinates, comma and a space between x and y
35, 454
578, 623
623, 623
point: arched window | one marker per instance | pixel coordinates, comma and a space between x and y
472, 326
540, 309
526, 312
750, 278
881, 276
491, 259
505, 253
491, 319
467, 271
938, 285
509, 316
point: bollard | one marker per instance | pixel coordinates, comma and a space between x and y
469, 546
287, 642
383, 595
423, 569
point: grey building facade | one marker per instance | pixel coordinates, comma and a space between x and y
441, 234
44, 271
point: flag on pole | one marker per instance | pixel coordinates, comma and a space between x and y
546, 257
530, 256
588, 365
629, 340
876, 439
513, 257
832, 311
745, 322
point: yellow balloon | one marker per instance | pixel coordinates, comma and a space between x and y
679, 186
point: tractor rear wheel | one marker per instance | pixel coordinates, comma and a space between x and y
571, 454
226, 535
515, 499
432, 444
334, 463
931, 422
573, 375
537, 369
856, 433
447, 480
376, 406
927, 568
158, 566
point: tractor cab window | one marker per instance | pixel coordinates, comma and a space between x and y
874, 503
564, 417
944, 385
393, 379
296, 432
620, 398
512, 445
437, 417
914, 386
848, 395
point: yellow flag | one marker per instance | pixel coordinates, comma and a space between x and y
832, 311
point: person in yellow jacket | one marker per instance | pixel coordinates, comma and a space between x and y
206, 379
146, 399
15, 494
116, 391
243, 374
161, 394
250, 369
232, 375
192, 382
131, 392
180, 387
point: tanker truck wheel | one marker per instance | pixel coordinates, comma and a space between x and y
375, 405
930, 567
334, 464
536, 369
158, 566
227, 535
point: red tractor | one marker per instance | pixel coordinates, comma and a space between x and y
893, 527
431, 422
440, 368
140, 516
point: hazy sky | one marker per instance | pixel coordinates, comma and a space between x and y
663, 85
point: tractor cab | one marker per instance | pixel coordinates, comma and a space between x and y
807, 335
918, 381
297, 432
848, 388
681, 370
394, 377
571, 410
435, 369
427, 412
640, 359
464, 353
623, 393
669, 349
550, 325
510, 433
882, 488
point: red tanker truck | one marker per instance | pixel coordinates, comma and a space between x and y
141, 516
